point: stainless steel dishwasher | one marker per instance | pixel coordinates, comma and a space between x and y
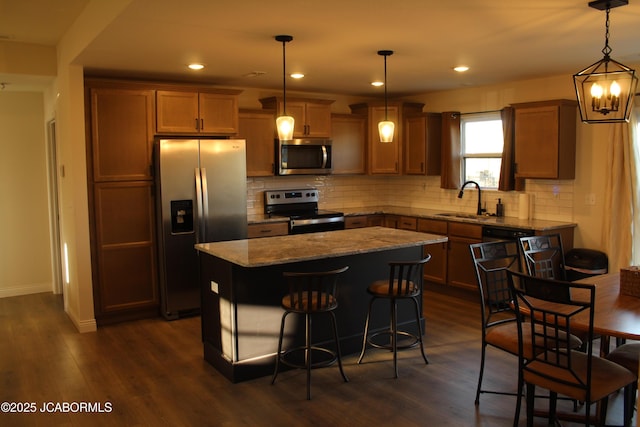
495, 232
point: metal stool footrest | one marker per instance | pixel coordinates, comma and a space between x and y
329, 357
415, 340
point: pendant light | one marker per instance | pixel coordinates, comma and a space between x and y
284, 123
605, 89
386, 128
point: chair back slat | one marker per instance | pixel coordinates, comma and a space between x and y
550, 307
491, 261
544, 256
313, 291
405, 276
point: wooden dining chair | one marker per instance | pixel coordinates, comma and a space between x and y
499, 328
628, 355
550, 306
498, 319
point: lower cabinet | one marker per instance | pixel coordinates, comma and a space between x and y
451, 262
460, 268
435, 270
361, 221
125, 277
267, 229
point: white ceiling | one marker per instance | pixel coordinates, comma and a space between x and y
335, 41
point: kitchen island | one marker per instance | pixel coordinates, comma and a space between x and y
242, 286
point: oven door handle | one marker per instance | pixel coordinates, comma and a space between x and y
312, 221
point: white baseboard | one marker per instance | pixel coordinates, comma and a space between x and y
83, 325
35, 288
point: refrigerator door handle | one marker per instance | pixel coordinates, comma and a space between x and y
205, 204
199, 207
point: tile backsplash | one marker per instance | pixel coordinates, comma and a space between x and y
552, 199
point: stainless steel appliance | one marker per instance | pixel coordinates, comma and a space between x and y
491, 233
303, 157
201, 197
301, 207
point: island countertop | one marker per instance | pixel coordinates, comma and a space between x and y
304, 247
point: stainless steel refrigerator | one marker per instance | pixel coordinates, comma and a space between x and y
202, 197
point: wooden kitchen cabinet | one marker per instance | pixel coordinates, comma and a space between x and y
460, 267
126, 250
258, 127
267, 229
384, 158
197, 112
435, 270
407, 223
358, 221
422, 141
349, 135
375, 220
120, 132
312, 117
545, 139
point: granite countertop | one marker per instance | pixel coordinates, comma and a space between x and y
304, 247
505, 221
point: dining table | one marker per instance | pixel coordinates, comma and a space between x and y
615, 314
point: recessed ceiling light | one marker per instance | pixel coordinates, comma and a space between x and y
297, 75
196, 66
377, 83
461, 68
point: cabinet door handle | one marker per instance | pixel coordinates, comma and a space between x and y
197, 124
202, 124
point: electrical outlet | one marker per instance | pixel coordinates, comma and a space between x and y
214, 287
590, 199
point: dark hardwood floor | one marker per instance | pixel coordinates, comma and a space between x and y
152, 373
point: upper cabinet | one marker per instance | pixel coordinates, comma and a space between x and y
257, 127
385, 158
121, 133
312, 117
545, 139
197, 112
349, 144
423, 139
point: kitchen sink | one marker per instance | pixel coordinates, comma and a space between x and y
464, 215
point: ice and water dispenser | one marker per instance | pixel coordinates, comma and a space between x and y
181, 216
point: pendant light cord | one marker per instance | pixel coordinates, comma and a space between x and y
284, 79
385, 88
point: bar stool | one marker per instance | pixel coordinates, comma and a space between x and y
405, 282
310, 293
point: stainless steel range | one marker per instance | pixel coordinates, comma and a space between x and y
301, 207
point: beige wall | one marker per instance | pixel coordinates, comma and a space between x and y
25, 261
562, 200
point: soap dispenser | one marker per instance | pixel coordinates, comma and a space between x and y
499, 208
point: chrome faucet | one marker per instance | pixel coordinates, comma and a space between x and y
480, 210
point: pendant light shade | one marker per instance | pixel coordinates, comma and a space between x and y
605, 89
284, 123
386, 128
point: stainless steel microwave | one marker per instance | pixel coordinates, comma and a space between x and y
303, 157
